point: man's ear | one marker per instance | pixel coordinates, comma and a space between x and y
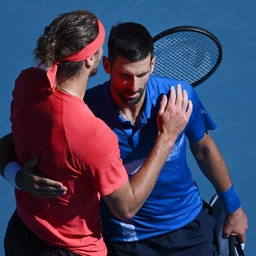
152, 63
89, 62
106, 64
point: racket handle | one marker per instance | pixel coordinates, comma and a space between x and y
234, 243
231, 246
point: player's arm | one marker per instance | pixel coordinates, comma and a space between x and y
7, 152
214, 168
173, 115
25, 178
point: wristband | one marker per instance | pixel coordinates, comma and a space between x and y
10, 172
230, 200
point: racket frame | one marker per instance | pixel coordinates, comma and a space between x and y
189, 28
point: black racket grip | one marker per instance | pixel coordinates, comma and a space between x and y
233, 242
231, 246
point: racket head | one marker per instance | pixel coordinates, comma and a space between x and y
188, 53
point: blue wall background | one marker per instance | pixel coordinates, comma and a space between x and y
229, 95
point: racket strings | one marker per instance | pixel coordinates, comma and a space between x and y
190, 56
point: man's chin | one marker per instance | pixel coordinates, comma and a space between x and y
132, 102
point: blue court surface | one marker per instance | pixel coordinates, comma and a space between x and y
229, 95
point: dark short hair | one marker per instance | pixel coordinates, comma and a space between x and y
131, 41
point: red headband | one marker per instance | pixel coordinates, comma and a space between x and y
88, 51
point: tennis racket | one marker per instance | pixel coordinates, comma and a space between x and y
187, 53
235, 248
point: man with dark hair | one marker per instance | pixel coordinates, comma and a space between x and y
173, 220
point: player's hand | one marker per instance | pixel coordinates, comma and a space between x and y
36, 184
236, 224
174, 113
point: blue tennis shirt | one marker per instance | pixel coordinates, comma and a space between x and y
175, 199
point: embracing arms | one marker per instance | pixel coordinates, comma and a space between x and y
172, 117
27, 178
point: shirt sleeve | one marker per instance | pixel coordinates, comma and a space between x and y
105, 166
200, 120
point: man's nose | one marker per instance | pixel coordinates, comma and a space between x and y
134, 83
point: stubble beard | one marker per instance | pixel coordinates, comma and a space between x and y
94, 72
134, 101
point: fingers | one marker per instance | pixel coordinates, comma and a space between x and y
172, 99
175, 96
180, 98
48, 191
185, 100
37, 184
236, 224
187, 104
179, 95
163, 104
52, 191
49, 194
241, 239
190, 108
46, 182
46, 187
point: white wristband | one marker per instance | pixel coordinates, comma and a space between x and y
10, 172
